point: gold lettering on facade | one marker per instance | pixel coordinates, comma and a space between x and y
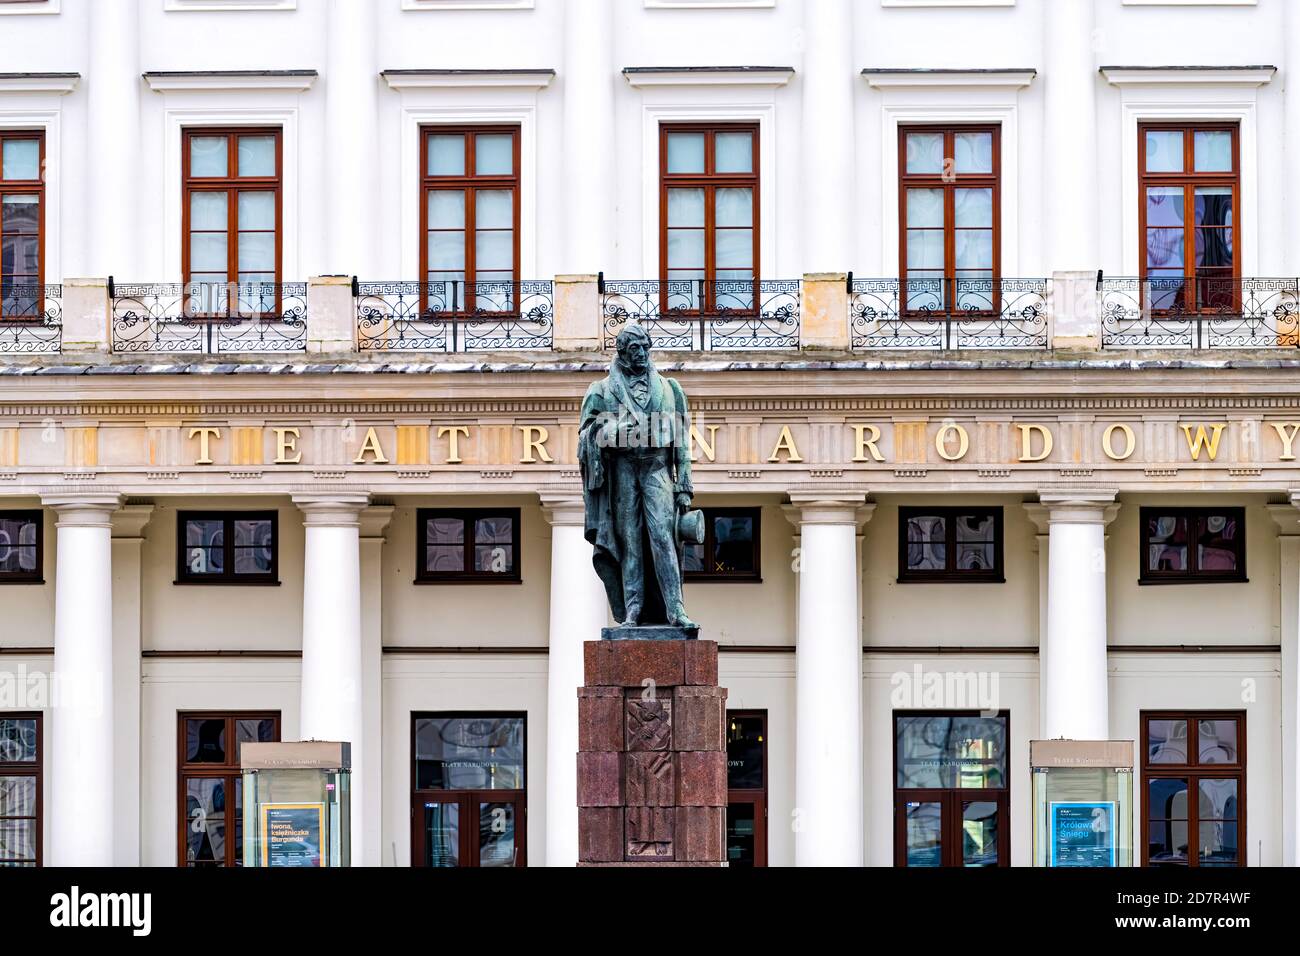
708, 447
535, 437
1027, 442
1210, 444
372, 446
452, 433
1108, 446
1287, 437
785, 443
204, 433
866, 437
941, 441
286, 446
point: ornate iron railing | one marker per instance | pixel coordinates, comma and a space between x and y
1177, 313
211, 318
927, 314
697, 315
454, 316
31, 319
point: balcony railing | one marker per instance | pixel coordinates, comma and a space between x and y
963, 314
212, 318
1178, 313
726, 315
31, 319
454, 316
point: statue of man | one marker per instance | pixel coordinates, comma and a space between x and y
634, 452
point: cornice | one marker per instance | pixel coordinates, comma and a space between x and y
535, 79
224, 81
58, 84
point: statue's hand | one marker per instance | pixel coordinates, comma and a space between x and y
683, 501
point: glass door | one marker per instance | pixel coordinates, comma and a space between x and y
746, 833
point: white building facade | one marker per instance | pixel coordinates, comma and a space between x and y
982, 309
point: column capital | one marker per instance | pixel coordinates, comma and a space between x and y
1073, 506
1287, 516
563, 508
375, 520
130, 521
828, 507
83, 509
332, 510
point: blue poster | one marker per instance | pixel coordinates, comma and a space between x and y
291, 834
1082, 834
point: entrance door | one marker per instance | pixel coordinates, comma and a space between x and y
747, 788
947, 828
478, 829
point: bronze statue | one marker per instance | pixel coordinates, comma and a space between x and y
634, 452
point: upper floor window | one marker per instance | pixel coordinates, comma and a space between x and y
20, 547
950, 544
20, 789
227, 547
1191, 545
708, 244
730, 548
950, 217
467, 545
469, 215
1189, 215
22, 222
231, 217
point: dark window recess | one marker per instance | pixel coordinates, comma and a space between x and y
469, 801
210, 791
467, 545
1193, 545
1194, 788
21, 789
730, 549
227, 547
747, 788
950, 544
21, 546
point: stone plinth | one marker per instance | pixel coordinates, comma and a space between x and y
652, 761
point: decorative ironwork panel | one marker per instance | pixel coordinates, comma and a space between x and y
502, 316
695, 315
31, 319
211, 318
936, 314
1178, 313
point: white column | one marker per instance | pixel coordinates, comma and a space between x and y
80, 792
1038, 515
113, 89
128, 539
352, 160
332, 672
579, 609
1288, 519
588, 143
828, 683
1291, 85
1073, 681
374, 525
829, 164
1070, 188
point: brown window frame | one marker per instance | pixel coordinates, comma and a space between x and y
468, 575
36, 576
34, 769
1195, 523
228, 577
1188, 180
755, 514
949, 182
27, 187
229, 772
951, 799
951, 574
231, 184
710, 181
754, 796
468, 183
1194, 771
467, 799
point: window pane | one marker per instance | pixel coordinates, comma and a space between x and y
17, 740
442, 834
1167, 741
257, 252
973, 152
208, 210
1165, 248
257, 156
494, 209
685, 152
21, 213
205, 814
924, 834
926, 543
469, 753
733, 544
1217, 799
685, 249
734, 250
1164, 151
18, 839
17, 552
1167, 842
1165, 206
925, 153
1213, 206
205, 547
17, 797
1216, 549
205, 740
979, 833
1167, 799
973, 208
694, 558
256, 210
952, 752
445, 545
496, 834
446, 154
975, 542
208, 156
1217, 741
254, 546
446, 251
925, 208
495, 251
447, 209
260, 730
925, 249
494, 545
685, 207
741, 831
974, 249
1167, 543
734, 152
1212, 151
734, 207
208, 252
1218, 843
744, 752
494, 154
21, 160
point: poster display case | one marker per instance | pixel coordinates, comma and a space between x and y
1083, 802
297, 804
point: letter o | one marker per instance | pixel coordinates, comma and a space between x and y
941, 442
1130, 439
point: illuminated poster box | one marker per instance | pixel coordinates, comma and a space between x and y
297, 804
1083, 802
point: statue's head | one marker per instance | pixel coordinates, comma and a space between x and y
633, 345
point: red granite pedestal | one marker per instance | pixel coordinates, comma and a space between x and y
652, 760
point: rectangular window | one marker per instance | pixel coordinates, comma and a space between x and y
708, 214
1190, 215
232, 214
950, 544
468, 546
22, 225
227, 547
210, 790
1193, 545
730, 549
747, 788
21, 544
951, 802
469, 217
1194, 788
950, 216
21, 790
469, 802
